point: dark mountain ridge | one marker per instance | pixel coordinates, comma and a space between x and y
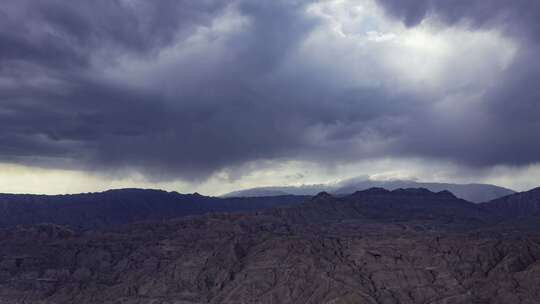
523, 204
385, 205
476, 193
122, 206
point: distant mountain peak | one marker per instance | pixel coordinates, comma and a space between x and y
322, 196
371, 191
404, 191
421, 191
447, 193
476, 193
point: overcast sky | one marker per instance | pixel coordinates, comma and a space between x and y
217, 95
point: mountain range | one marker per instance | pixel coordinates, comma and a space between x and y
87, 211
476, 193
121, 206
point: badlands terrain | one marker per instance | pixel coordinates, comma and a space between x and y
372, 246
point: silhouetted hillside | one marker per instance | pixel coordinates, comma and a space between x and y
384, 205
523, 204
114, 207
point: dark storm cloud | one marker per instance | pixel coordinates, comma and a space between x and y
60, 33
57, 109
504, 127
224, 97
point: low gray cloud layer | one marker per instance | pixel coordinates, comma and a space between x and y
181, 89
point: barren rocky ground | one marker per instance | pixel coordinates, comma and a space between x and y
409, 246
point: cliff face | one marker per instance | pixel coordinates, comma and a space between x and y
372, 247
